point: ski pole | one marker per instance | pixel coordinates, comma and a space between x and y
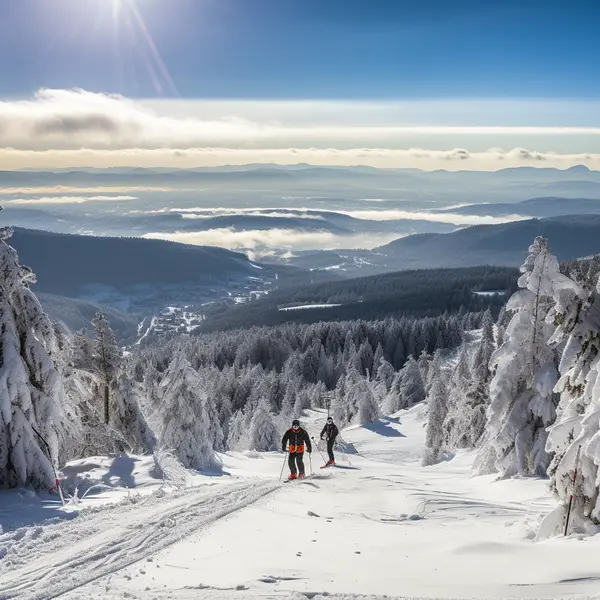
572, 490
319, 451
282, 466
310, 462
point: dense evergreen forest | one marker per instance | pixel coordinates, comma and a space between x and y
419, 293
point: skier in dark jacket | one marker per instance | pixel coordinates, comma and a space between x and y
298, 439
329, 433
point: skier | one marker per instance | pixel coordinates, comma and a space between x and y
297, 438
329, 433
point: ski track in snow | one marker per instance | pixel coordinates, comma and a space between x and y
377, 526
50, 561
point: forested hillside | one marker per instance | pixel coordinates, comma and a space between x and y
416, 293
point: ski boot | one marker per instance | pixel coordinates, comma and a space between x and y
301, 476
292, 476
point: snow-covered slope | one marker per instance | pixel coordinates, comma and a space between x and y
377, 524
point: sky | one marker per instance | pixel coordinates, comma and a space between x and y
394, 83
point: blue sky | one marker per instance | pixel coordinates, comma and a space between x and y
429, 84
345, 49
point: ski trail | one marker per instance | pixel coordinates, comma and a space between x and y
65, 556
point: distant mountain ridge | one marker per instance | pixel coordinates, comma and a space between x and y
534, 207
63, 261
506, 244
570, 237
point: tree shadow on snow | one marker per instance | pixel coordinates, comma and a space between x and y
121, 468
392, 420
215, 473
382, 428
23, 509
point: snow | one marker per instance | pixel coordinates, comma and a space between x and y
304, 306
377, 524
490, 293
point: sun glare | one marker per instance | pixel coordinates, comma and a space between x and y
127, 12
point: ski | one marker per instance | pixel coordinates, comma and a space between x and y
311, 476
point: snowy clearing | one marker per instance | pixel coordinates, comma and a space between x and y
377, 524
304, 306
490, 293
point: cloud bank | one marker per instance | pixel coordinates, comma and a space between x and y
74, 127
261, 242
49, 200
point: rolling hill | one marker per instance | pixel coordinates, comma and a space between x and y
140, 275
505, 244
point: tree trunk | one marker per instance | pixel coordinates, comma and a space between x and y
106, 409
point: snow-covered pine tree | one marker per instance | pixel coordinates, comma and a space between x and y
264, 436
339, 405
435, 369
392, 402
485, 349
525, 372
576, 315
106, 358
456, 422
186, 427
412, 389
235, 430
127, 417
437, 401
424, 362
378, 357
368, 410
31, 386
383, 380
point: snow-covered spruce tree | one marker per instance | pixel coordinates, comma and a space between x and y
368, 410
127, 417
412, 389
383, 380
235, 431
437, 401
31, 387
106, 358
435, 369
339, 406
424, 363
456, 421
485, 349
185, 428
576, 315
264, 436
525, 371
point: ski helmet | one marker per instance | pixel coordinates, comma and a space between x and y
295, 423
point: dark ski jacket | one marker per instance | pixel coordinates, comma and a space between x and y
330, 432
297, 439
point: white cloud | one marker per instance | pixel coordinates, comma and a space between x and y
73, 119
69, 199
369, 215
59, 128
420, 158
65, 189
207, 213
451, 218
261, 241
